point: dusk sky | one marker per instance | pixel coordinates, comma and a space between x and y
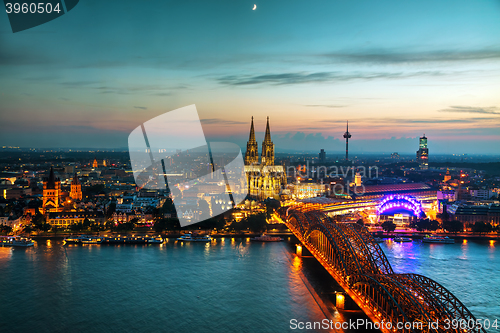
394, 69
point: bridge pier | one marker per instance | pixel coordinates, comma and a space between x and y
302, 251
298, 250
344, 302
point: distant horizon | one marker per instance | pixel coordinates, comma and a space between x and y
329, 154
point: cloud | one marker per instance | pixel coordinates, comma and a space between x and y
317, 77
388, 57
409, 121
327, 106
140, 107
472, 109
154, 90
78, 84
22, 57
219, 121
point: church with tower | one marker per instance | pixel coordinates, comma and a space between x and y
264, 179
53, 196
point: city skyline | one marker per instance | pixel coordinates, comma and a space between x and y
367, 177
394, 70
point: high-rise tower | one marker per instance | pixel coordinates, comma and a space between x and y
252, 153
423, 154
347, 136
267, 147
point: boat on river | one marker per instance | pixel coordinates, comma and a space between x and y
438, 239
266, 238
19, 241
194, 238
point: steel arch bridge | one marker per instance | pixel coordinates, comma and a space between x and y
351, 255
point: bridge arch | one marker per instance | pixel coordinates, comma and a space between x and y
298, 220
323, 240
372, 291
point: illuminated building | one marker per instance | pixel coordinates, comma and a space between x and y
423, 154
470, 214
307, 189
447, 176
252, 152
267, 147
76, 189
423, 192
95, 164
65, 219
347, 136
265, 179
51, 193
357, 179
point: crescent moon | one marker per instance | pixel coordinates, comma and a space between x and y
254, 7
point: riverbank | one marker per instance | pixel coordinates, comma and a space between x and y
420, 235
169, 235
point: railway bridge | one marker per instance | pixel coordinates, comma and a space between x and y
356, 261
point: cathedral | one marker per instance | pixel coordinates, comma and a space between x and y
264, 179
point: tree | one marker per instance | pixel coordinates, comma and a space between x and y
426, 224
86, 223
271, 206
95, 189
126, 226
28, 229
43, 227
96, 227
172, 224
38, 219
168, 206
211, 223
388, 226
482, 227
203, 206
433, 225
166, 224
111, 209
253, 223
5, 229
453, 226
76, 226
55, 229
445, 216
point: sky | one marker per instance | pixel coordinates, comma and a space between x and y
394, 69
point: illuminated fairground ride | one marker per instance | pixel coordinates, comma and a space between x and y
356, 261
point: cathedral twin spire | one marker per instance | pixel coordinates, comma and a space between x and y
252, 152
